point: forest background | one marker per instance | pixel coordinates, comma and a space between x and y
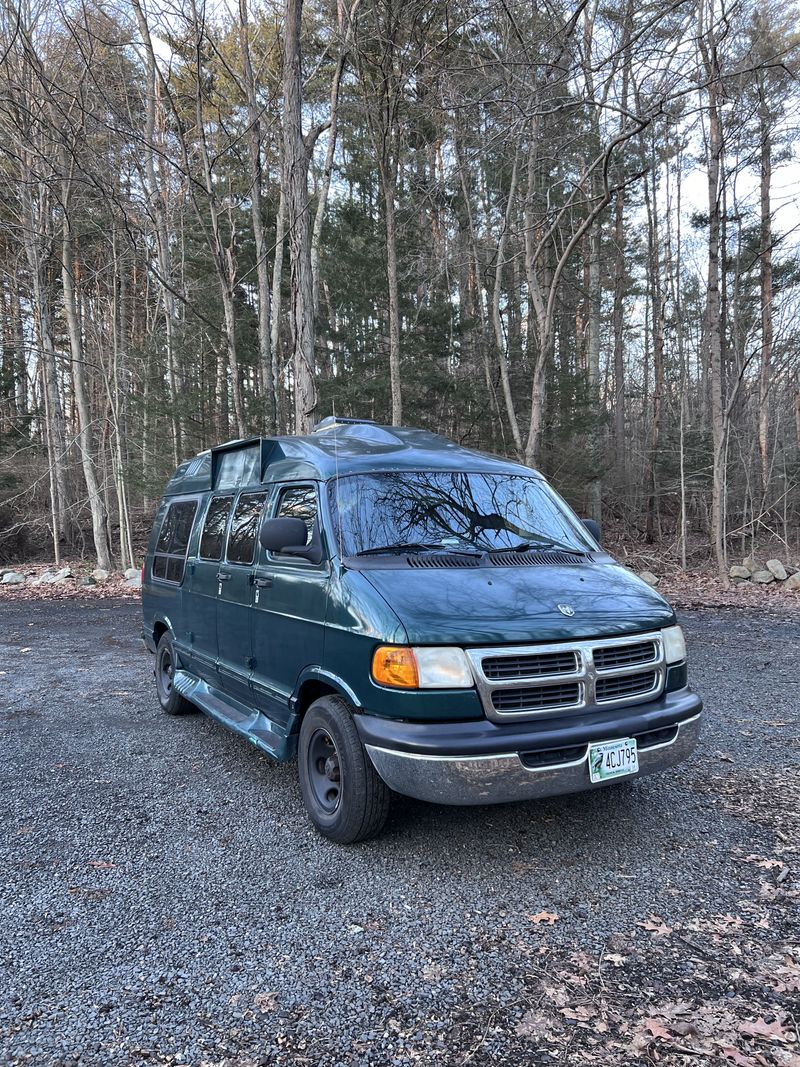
567, 234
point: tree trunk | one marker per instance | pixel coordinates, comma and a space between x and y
713, 319
766, 291
497, 322
277, 303
85, 436
388, 182
657, 319
595, 473
266, 370
158, 194
295, 162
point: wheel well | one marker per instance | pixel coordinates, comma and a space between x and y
159, 630
310, 691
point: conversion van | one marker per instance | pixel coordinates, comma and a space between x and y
404, 614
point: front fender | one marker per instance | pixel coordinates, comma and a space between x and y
315, 673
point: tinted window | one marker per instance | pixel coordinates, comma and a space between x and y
173, 540
299, 502
451, 508
213, 539
244, 528
239, 467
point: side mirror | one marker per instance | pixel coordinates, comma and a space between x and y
593, 528
288, 537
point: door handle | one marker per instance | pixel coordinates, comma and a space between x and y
261, 583
222, 577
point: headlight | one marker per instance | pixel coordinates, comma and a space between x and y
674, 644
421, 668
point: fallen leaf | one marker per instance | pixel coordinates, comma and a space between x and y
684, 1028
532, 1024
102, 865
557, 994
656, 1029
579, 1014
614, 958
543, 917
735, 1056
655, 925
768, 1031
265, 1002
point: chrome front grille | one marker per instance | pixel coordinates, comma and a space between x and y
607, 659
629, 685
566, 695
499, 668
530, 681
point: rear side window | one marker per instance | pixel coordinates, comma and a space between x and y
299, 502
173, 540
212, 540
244, 528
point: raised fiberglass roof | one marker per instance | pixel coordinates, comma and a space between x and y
333, 450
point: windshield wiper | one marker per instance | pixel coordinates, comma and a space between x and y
545, 543
416, 546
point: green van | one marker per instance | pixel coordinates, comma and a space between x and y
405, 614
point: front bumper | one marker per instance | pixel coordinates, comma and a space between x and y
540, 761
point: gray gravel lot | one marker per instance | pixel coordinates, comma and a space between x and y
164, 899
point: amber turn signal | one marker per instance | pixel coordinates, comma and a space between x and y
395, 666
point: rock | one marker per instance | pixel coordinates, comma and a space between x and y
46, 578
649, 577
88, 581
777, 569
739, 572
135, 582
752, 565
33, 580
12, 578
133, 572
763, 577
99, 574
65, 572
793, 582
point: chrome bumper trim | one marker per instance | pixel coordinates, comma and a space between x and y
498, 779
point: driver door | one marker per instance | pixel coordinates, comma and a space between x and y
289, 599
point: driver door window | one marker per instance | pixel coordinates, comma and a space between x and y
299, 502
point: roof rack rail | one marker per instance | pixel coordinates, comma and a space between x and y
334, 420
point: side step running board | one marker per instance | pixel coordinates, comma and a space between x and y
273, 739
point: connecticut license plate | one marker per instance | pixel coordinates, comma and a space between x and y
613, 759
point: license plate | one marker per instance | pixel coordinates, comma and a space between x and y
613, 759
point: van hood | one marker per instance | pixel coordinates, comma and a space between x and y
519, 605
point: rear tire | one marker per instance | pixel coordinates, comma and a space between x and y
166, 665
344, 796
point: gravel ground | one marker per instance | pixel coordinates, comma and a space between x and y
165, 901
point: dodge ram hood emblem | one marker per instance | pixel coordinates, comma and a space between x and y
566, 609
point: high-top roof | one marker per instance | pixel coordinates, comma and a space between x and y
333, 449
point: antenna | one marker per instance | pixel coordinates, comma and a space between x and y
335, 429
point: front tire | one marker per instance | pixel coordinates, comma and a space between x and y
344, 796
166, 665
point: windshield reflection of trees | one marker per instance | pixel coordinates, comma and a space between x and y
485, 511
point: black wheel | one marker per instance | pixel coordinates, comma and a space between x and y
166, 665
342, 792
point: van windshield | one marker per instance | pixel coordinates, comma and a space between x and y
451, 510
